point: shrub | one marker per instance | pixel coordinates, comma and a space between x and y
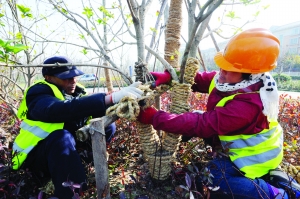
282, 77
295, 77
293, 85
128, 174
287, 83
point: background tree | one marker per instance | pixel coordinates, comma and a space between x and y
228, 18
88, 24
289, 63
92, 32
15, 51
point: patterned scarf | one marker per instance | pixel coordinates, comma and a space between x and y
268, 93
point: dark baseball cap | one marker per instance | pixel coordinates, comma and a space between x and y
62, 72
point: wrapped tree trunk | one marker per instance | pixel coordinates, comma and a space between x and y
173, 32
108, 81
159, 163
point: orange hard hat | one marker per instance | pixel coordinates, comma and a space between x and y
251, 51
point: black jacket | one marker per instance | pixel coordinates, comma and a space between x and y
73, 111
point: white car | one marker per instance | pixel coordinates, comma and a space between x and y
88, 77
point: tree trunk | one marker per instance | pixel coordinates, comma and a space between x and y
109, 85
173, 32
161, 11
199, 36
108, 82
137, 18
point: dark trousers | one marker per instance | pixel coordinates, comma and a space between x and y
56, 157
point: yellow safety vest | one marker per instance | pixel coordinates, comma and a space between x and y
255, 154
31, 131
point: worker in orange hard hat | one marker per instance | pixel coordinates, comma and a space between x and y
240, 118
252, 51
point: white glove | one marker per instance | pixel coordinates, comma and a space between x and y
198, 111
131, 91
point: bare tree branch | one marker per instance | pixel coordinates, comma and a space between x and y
199, 19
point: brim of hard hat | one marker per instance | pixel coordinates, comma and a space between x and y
225, 65
69, 74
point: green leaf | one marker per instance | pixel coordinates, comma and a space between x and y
84, 51
2, 42
7, 48
128, 16
26, 15
64, 11
106, 12
115, 5
19, 36
4, 58
43, 17
256, 14
231, 14
266, 7
81, 36
153, 30
101, 21
88, 12
129, 19
25, 11
248, 2
1, 15
17, 48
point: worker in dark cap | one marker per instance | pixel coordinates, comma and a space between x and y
51, 111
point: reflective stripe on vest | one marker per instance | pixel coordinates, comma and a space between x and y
254, 154
32, 132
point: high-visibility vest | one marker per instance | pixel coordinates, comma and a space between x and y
255, 154
31, 131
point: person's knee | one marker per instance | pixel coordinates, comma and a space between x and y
61, 136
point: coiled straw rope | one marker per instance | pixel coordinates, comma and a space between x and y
129, 108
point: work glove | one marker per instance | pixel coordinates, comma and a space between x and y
161, 78
146, 115
131, 91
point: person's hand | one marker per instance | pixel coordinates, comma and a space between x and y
146, 115
131, 90
161, 78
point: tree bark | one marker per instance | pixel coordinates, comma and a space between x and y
109, 85
173, 32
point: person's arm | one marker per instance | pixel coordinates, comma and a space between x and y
202, 81
44, 106
238, 116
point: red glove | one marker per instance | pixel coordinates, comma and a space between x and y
146, 115
161, 78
